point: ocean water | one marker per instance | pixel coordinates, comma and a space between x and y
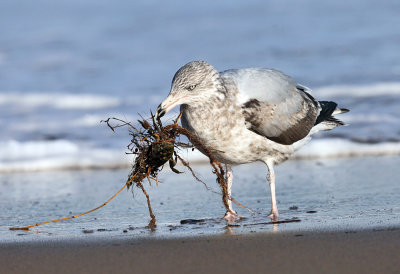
66, 65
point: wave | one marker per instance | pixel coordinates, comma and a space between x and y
59, 100
63, 154
373, 129
65, 101
367, 90
336, 147
55, 155
328, 148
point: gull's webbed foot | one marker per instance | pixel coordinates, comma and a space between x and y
231, 216
274, 215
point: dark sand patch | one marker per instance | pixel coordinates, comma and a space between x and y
373, 251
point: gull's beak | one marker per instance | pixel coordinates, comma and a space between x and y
169, 103
160, 112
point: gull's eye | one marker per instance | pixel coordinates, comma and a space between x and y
191, 87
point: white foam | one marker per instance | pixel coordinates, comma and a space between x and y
335, 147
325, 148
60, 154
375, 89
14, 150
59, 100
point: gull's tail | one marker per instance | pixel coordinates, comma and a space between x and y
325, 121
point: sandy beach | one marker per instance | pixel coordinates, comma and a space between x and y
370, 251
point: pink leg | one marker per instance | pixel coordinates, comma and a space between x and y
230, 214
271, 178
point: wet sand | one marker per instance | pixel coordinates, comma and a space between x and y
346, 213
373, 251
325, 195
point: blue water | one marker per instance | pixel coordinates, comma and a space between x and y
127, 52
126, 47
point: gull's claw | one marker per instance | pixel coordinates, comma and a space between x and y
231, 217
273, 215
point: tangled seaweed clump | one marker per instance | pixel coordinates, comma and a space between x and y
155, 145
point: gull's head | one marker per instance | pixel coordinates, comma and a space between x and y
194, 83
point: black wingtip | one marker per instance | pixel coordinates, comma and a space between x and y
327, 108
336, 121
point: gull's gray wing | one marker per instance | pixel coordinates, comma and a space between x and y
273, 105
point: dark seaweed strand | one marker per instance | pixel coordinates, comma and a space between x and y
152, 223
186, 164
218, 169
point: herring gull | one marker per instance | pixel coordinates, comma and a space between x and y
248, 115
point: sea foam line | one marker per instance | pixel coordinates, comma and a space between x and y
59, 100
62, 154
55, 155
367, 90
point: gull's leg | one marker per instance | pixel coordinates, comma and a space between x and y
230, 214
271, 179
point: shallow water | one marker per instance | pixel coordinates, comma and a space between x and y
337, 194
